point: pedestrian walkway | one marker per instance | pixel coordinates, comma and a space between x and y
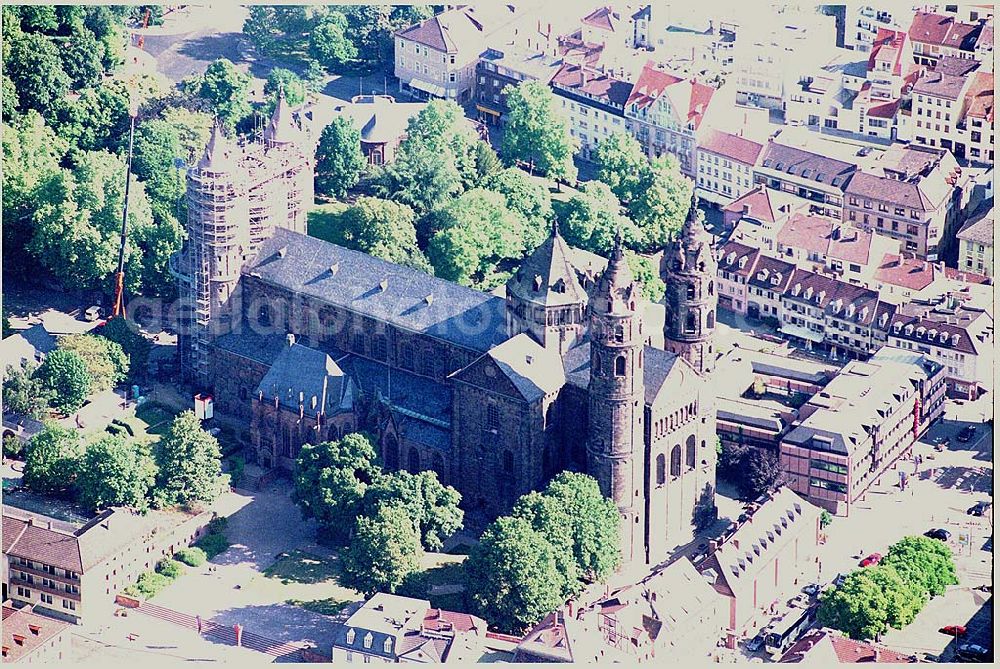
225, 633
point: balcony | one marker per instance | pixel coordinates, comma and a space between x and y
37, 585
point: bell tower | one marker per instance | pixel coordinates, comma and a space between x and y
689, 272
616, 397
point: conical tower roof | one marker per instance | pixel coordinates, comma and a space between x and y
617, 291
281, 129
547, 276
218, 155
692, 249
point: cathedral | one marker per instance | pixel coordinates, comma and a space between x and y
301, 341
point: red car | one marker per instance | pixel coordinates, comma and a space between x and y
953, 630
872, 559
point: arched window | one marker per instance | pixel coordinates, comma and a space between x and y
690, 291
597, 362
264, 315
711, 319
675, 460
620, 366
711, 288
414, 460
331, 434
437, 464
391, 453
690, 325
406, 356
661, 469
508, 462
690, 452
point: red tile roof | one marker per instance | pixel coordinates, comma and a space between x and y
701, 96
888, 43
439, 620
846, 650
930, 28
594, 83
806, 232
35, 542
731, 254
905, 272
651, 84
884, 109
759, 202
980, 96
732, 146
24, 632
602, 17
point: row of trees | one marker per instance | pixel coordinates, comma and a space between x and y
385, 520
892, 593
333, 38
183, 468
553, 543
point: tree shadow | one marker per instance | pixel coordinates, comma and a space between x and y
213, 47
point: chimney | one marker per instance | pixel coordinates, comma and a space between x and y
31, 521
746, 209
736, 544
713, 546
290, 338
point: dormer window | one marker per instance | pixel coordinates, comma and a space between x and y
932, 333
944, 337
850, 310
797, 289
821, 296
955, 339
537, 283
368, 640
731, 258
776, 279
387, 646
883, 319
779, 166
809, 293
921, 330
896, 327
864, 313
908, 330
743, 262
350, 637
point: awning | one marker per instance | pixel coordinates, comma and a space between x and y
802, 333
428, 87
487, 110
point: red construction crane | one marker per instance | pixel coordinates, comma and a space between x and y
145, 24
119, 306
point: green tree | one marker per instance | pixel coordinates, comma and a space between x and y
116, 472
383, 229
594, 521
662, 204
329, 43
193, 130
97, 120
478, 229
52, 460
825, 519
33, 64
903, 601
227, 89
547, 516
432, 506
82, 59
261, 27
732, 460
512, 576
858, 607
622, 165
536, 133
106, 361
31, 156
281, 79
592, 218
384, 550
926, 563
9, 99
39, 18
24, 392
135, 346
761, 473
189, 461
526, 197
65, 375
487, 162
648, 274
157, 146
435, 162
339, 161
330, 482
371, 27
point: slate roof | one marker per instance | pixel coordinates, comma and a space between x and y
263, 348
547, 276
657, 365
300, 371
409, 392
732, 146
941, 85
33, 631
929, 178
929, 331
766, 269
593, 84
979, 227
731, 254
36, 542
746, 413
460, 28
806, 164
410, 299
533, 369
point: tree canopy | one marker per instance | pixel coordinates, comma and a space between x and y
384, 550
431, 506
591, 219
383, 229
227, 89
24, 391
115, 471
622, 165
339, 161
189, 461
67, 378
52, 460
536, 133
106, 361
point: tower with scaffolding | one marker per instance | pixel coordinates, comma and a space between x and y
237, 195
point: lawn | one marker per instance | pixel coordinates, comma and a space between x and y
300, 567
330, 606
323, 220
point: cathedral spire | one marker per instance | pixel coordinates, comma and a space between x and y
218, 152
281, 129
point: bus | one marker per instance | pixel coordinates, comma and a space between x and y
787, 631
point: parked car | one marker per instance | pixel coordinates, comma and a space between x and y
799, 601
973, 651
967, 433
939, 533
953, 630
91, 314
756, 643
839, 580
871, 560
979, 508
812, 589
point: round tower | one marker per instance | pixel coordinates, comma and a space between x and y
616, 396
545, 298
689, 272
